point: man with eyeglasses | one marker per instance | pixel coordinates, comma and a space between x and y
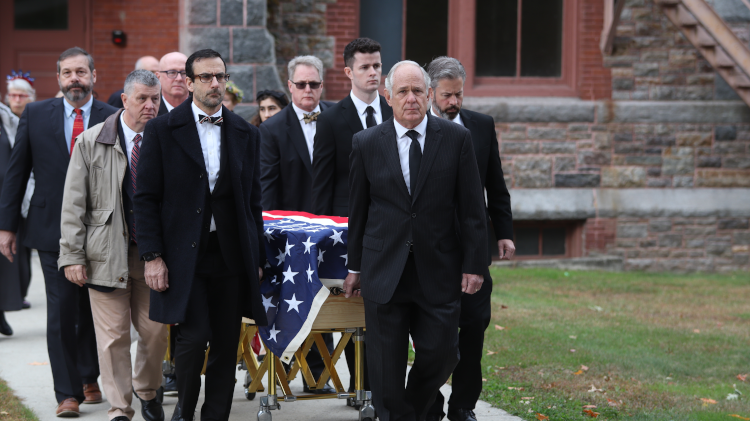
199, 222
174, 89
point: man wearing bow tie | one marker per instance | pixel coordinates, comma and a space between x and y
286, 151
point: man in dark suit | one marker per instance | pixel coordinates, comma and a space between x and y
200, 228
414, 185
286, 151
147, 63
45, 139
174, 90
448, 76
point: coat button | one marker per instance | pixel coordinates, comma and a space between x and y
200, 175
121, 279
193, 244
131, 211
124, 234
199, 210
414, 215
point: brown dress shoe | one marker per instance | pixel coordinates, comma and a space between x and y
92, 393
68, 408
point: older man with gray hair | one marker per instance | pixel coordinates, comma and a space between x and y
97, 213
448, 76
413, 186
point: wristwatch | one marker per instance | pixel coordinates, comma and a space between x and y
150, 256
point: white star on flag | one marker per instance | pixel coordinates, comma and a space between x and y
273, 280
289, 275
308, 244
280, 257
267, 302
309, 273
268, 265
320, 257
293, 303
346, 258
268, 234
273, 333
288, 248
336, 237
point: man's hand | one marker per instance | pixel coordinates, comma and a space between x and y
260, 275
351, 286
76, 274
506, 248
471, 283
157, 275
8, 244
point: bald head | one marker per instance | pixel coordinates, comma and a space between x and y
174, 90
149, 63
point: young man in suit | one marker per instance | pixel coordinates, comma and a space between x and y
413, 185
286, 153
45, 140
200, 231
448, 76
361, 109
174, 90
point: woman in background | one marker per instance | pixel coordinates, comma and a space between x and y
269, 103
232, 96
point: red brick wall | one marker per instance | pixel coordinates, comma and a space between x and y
151, 30
342, 22
595, 80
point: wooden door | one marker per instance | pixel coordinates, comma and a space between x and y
33, 33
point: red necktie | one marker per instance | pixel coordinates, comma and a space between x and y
134, 171
77, 128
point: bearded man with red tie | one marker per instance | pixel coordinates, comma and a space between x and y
45, 139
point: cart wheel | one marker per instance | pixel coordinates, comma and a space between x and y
248, 395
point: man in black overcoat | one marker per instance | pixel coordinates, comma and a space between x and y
200, 227
413, 185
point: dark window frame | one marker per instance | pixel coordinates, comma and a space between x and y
573, 238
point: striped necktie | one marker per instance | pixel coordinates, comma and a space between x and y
134, 173
77, 128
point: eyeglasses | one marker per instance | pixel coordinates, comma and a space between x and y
18, 96
208, 77
302, 85
172, 74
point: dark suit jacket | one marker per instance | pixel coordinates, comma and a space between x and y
384, 219
162, 107
482, 128
171, 194
333, 144
286, 170
115, 99
41, 146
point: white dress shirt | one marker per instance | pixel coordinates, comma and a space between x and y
308, 129
70, 118
129, 135
169, 106
210, 136
362, 109
404, 143
456, 120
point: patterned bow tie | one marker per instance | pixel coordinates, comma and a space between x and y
213, 120
310, 117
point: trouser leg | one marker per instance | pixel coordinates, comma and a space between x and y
88, 360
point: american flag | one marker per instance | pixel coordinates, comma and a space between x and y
302, 249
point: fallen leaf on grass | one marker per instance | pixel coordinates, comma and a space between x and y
740, 417
596, 308
503, 306
573, 337
612, 403
590, 413
483, 379
498, 327
4, 413
541, 417
572, 350
584, 368
578, 373
594, 389
696, 331
491, 352
527, 398
589, 406
708, 401
515, 388
732, 396
38, 363
742, 377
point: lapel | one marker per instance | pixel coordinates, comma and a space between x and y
431, 146
162, 107
390, 149
385, 108
185, 132
59, 109
470, 124
350, 114
236, 141
297, 137
97, 114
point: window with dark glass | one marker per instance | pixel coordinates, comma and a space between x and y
543, 238
519, 38
40, 14
426, 30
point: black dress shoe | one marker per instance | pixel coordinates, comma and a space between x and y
5, 328
325, 389
177, 414
170, 386
25, 305
151, 410
461, 415
120, 418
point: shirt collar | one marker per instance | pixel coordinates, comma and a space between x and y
456, 120
362, 106
401, 130
86, 107
301, 113
197, 111
169, 106
127, 131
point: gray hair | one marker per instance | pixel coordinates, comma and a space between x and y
21, 85
140, 76
445, 68
306, 60
389, 78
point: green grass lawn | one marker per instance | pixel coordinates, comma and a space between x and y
652, 346
11, 408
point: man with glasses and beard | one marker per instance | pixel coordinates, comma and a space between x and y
45, 140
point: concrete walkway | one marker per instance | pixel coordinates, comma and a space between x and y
24, 364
